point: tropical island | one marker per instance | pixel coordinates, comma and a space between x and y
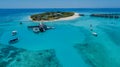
54, 16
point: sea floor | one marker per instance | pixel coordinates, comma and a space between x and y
71, 41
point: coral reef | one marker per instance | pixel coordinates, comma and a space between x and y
7, 54
16, 57
96, 55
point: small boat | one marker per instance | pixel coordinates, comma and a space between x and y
14, 33
20, 22
94, 34
36, 29
13, 41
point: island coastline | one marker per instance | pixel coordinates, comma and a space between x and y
75, 16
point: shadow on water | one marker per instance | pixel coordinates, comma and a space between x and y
113, 32
97, 52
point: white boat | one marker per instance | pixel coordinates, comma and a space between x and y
94, 33
14, 33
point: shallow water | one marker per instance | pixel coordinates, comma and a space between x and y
65, 35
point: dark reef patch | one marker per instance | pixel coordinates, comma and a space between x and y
94, 54
113, 32
7, 54
16, 57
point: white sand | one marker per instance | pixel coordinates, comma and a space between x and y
76, 15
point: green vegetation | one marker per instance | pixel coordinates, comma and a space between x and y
51, 16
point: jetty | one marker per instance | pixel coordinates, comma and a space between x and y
81, 15
32, 26
40, 28
114, 16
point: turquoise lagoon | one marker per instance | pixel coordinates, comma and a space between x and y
68, 38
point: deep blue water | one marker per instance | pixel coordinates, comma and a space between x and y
66, 35
14, 11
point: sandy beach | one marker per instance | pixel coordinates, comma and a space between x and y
76, 15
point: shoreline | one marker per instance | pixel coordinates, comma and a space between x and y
76, 15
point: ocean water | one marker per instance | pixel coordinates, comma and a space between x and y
66, 35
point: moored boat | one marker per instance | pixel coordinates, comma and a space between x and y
12, 41
14, 33
94, 34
